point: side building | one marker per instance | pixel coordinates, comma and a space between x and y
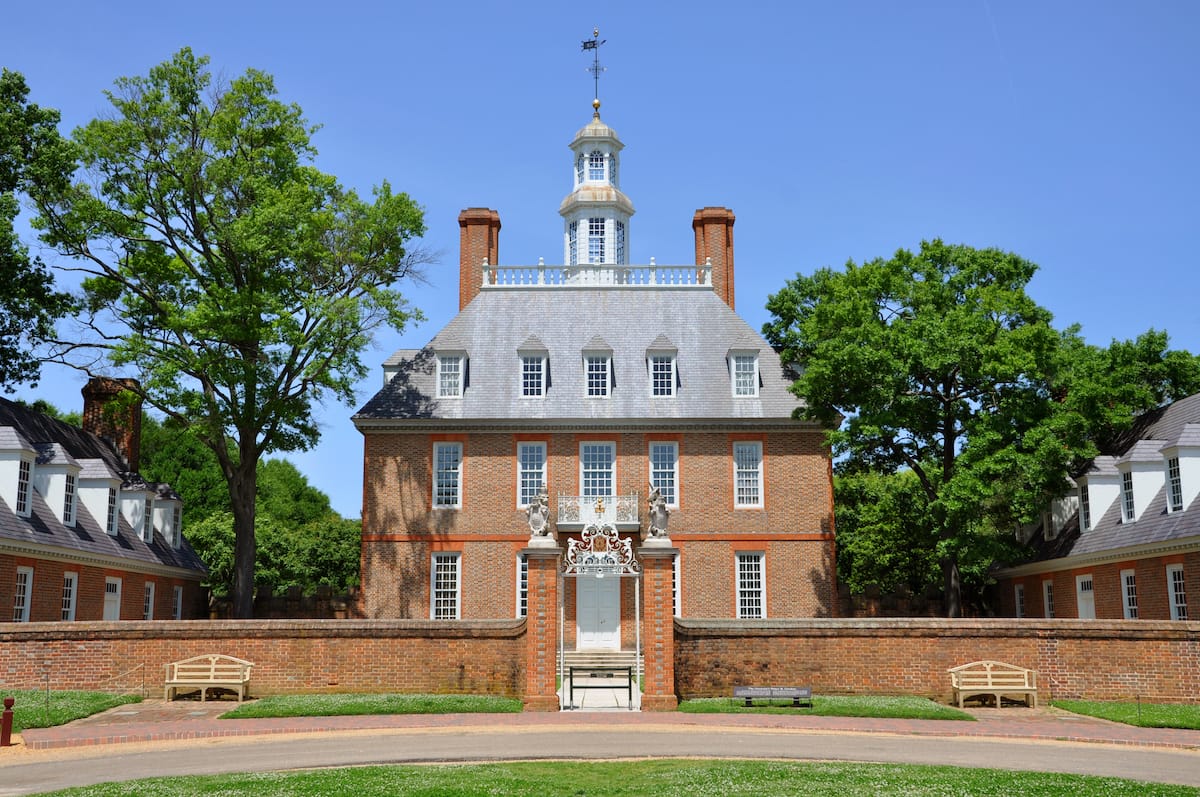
82, 535
1128, 545
600, 407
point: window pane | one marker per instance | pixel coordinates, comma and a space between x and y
745, 375
1129, 589
662, 375
445, 586
1174, 485
68, 596
597, 469
596, 165
1127, 496
597, 376
596, 240
449, 376
531, 467
747, 474
663, 457
750, 585
448, 460
532, 376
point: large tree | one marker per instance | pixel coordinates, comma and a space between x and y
940, 363
31, 153
238, 282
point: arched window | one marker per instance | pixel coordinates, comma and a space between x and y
579, 169
596, 165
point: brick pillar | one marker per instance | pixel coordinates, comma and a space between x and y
658, 629
541, 630
714, 239
119, 422
478, 238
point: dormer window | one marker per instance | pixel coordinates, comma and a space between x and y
745, 373
24, 486
1127, 506
1085, 507
596, 166
112, 512
69, 500
177, 526
450, 375
148, 521
599, 378
662, 374
1174, 486
533, 374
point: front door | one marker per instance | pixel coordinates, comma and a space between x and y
1085, 598
598, 613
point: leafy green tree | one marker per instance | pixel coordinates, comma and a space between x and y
239, 282
31, 153
940, 363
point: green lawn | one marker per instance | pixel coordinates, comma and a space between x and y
329, 705
672, 777
900, 707
1147, 715
33, 709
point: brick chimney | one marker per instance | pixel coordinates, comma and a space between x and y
479, 237
714, 239
122, 424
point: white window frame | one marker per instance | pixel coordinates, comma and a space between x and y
451, 375
573, 243
70, 595
750, 566
1048, 598
148, 601
449, 478
177, 602
587, 450
598, 365
69, 494
1129, 601
445, 563
595, 166
1177, 592
676, 586
743, 382
24, 506
113, 512
747, 479
22, 594
1174, 486
1019, 599
622, 256
662, 380
1085, 507
1128, 507
177, 525
668, 487
531, 470
580, 165
112, 581
148, 521
595, 240
533, 375
522, 585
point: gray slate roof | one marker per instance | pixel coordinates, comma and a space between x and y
498, 324
88, 537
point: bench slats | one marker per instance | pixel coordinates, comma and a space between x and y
993, 678
206, 672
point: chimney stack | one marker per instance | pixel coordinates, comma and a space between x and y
479, 238
714, 239
120, 423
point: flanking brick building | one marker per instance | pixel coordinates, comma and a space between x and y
600, 414
82, 535
1127, 544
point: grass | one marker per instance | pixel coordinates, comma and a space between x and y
903, 707
1146, 715
33, 709
667, 776
330, 705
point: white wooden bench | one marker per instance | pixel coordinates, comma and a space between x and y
206, 672
993, 678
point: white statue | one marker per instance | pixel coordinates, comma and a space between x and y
659, 514
538, 514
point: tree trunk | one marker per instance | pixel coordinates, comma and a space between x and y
953, 586
242, 492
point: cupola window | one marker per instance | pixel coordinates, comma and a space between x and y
596, 240
579, 169
620, 243
596, 166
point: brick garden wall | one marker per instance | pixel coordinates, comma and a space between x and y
1097, 659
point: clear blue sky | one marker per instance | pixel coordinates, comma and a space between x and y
1068, 132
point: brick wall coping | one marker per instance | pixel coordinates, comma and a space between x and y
262, 629
941, 627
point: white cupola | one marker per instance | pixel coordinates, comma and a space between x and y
596, 214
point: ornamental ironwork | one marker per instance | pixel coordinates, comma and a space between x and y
599, 551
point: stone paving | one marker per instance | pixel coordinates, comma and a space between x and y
156, 721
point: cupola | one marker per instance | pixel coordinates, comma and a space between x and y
596, 213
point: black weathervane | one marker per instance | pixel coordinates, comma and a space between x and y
593, 44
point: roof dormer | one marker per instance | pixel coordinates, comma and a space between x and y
1099, 488
1181, 462
1141, 469
17, 457
137, 506
55, 478
168, 514
98, 490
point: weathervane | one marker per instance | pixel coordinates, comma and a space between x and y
593, 44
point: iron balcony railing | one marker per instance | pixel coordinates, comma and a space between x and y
585, 510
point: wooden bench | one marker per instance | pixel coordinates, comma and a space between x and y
801, 696
210, 671
995, 678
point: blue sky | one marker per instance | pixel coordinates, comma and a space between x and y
1065, 131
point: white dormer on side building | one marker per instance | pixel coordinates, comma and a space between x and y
56, 479
98, 491
1181, 468
1061, 510
1099, 488
17, 457
168, 515
137, 505
1141, 469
